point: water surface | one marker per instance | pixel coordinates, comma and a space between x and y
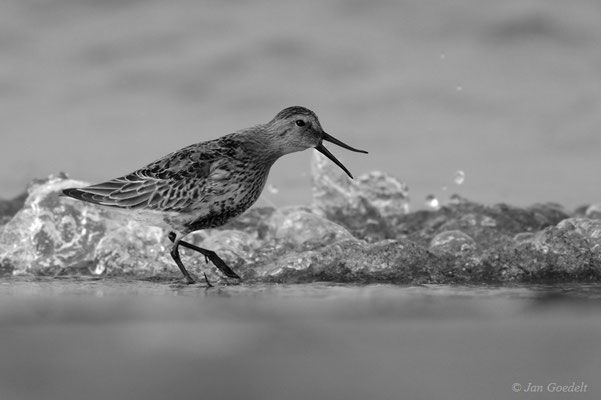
113, 338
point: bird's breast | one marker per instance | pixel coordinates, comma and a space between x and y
230, 195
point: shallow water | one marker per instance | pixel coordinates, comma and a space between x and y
117, 338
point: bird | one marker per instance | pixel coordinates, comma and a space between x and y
206, 184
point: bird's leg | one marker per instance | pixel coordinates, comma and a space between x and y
211, 255
215, 259
207, 280
175, 255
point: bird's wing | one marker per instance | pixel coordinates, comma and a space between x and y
175, 182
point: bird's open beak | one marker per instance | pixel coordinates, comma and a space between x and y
321, 148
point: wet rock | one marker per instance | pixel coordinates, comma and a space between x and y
369, 207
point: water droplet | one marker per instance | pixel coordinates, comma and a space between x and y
432, 202
272, 189
443, 56
99, 269
459, 177
459, 88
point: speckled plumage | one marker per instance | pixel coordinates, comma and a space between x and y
200, 186
206, 184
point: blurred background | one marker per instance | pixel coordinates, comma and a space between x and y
507, 92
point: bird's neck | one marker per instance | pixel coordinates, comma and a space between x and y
259, 145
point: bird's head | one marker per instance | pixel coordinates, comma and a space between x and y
298, 128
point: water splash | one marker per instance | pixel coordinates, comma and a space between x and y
369, 240
459, 177
432, 202
375, 197
457, 199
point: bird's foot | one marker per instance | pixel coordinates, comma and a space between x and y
190, 279
210, 256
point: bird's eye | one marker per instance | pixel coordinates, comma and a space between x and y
299, 122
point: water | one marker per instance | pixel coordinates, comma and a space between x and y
99, 339
501, 89
432, 202
459, 177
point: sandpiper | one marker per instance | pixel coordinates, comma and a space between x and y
207, 184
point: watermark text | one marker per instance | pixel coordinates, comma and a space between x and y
550, 387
